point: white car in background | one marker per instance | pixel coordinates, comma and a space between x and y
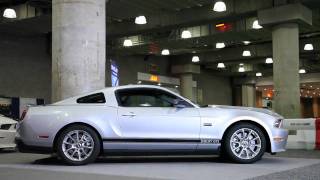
7, 133
148, 120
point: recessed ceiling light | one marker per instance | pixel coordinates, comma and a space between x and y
258, 74
269, 61
195, 59
141, 20
256, 25
302, 71
127, 43
241, 68
165, 52
220, 45
219, 6
221, 65
308, 47
246, 53
186, 34
9, 13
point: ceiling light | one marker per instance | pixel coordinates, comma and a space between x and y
165, 52
219, 6
246, 53
246, 42
258, 74
308, 47
186, 34
195, 59
302, 71
9, 13
256, 25
220, 45
141, 20
241, 68
127, 43
269, 61
159, 84
221, 65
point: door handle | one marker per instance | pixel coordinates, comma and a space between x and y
131, 114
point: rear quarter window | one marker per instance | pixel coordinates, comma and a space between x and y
97, 98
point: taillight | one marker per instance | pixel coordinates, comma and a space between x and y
23, 115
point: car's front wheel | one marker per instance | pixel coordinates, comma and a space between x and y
78, 145
244, 143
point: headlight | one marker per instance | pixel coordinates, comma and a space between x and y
278, 123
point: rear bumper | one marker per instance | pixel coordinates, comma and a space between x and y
23, 148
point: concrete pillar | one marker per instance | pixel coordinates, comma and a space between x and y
186, 85
285, 39
248, 95
78, 47
185, 72
284, 21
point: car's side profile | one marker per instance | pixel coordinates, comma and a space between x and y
148, 119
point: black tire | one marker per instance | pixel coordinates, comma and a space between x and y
95, 150
227, 152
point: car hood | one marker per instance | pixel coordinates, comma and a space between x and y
260, 110
5, 120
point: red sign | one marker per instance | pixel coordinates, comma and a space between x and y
223, 27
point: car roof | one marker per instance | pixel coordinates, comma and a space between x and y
132, 86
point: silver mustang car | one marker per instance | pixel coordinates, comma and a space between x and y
142, 119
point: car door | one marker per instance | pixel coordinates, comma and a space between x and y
148, 119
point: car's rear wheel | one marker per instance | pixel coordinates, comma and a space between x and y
244, 143
78, 145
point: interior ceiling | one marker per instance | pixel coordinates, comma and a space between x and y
166, 18
133, 8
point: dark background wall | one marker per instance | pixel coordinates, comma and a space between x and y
216, 89
25, 67
25, 71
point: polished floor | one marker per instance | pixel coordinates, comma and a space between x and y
289, 165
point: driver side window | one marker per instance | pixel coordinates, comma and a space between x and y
145, 97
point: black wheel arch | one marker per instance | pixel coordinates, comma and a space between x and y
268, 141
72, 124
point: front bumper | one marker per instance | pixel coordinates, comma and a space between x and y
279, 140
7, 139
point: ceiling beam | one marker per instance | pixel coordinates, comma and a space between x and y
188, 17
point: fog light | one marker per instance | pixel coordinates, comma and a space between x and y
278, 139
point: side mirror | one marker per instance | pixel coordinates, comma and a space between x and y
178, 103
